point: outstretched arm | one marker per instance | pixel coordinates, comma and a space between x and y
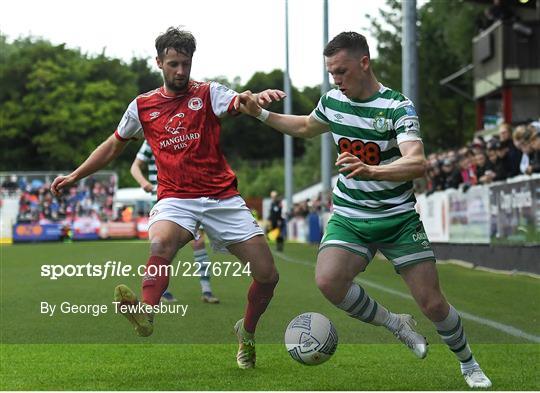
136, 172
411, 165
99, 158
297, 126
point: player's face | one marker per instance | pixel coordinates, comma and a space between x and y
350, 72
176, 67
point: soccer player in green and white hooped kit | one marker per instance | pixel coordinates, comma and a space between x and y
377, 133
145, 157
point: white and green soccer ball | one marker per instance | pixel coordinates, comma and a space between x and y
311, 338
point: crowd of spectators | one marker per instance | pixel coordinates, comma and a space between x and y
509, 153
315, 205
91, 197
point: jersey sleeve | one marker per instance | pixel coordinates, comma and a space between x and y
130, 126
145, 152
406, 123
319, 113
222, 99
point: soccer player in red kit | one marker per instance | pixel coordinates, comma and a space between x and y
196, 186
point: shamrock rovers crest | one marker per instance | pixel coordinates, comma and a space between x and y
380, 123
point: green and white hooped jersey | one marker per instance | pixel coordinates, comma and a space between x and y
145, 154
370, 129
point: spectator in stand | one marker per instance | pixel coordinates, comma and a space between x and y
492, 152
478, 145
467, 170
514, 154
522, 140
37, 204
534, 157
10, 185
435, 180
451, 174
484, 168
502, 165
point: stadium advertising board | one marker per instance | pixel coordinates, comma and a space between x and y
469, 216
37, 232
86, 228
142, 227
515, 216
118, 230
297, 229
433, 210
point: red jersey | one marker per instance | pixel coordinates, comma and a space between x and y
183, 132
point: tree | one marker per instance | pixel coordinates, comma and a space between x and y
262, 142
57, 105
445, 46
147, 79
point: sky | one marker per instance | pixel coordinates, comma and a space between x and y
234, 37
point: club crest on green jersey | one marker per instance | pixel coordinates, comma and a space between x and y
380, 123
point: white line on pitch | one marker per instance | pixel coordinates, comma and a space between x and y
510, 330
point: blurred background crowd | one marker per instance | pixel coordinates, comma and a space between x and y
511, 152
37, 204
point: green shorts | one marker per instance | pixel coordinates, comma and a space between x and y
400, 238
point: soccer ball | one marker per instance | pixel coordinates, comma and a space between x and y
311, 338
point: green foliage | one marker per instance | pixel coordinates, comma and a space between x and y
147, 79
258, 179
58, 104
262, 167
387, 29
264, 143
445, 46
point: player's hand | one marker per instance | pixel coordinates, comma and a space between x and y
61, 182
266, 97
354, 165
148, 187
246, 103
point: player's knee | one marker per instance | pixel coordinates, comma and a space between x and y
265, 273
272, 276
163, 247
434, 307
326, 285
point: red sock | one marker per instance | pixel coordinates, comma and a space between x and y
155, 281
259, 296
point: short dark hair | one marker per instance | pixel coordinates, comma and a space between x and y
349, 40
174, 38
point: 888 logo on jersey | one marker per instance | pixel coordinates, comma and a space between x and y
368, 152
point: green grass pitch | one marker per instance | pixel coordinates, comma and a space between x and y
197, 351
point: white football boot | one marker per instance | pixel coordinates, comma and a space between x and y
408, 336
476, 378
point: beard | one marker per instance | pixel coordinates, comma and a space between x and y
176, 85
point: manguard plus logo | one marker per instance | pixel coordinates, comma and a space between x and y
174, 125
